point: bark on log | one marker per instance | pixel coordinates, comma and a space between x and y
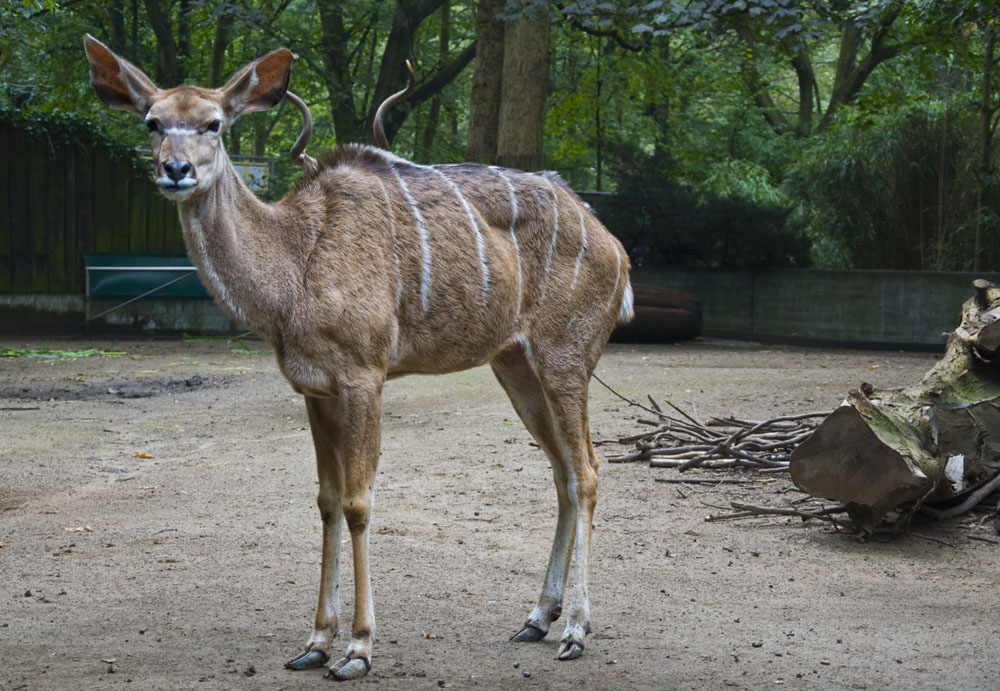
933, 441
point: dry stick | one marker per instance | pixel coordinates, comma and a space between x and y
704, 480
743, 510
983, 539
627, 399
970, 503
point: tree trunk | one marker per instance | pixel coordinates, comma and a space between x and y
755, 83
525, 91
134, 43
169, 73
183, 36
117, 13
986, 114
336, 57
223, 34
807, 88
929, 442
426, 142
851, 73
398, 48
487, 79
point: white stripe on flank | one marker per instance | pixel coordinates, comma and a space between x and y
392, 238
583, 248
425, 277
555, 225
513, 235
555, 234
480, 242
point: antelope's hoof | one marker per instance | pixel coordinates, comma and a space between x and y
570, 649
349, 668
308, 660
529, 634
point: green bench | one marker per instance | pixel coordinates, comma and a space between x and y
131, 277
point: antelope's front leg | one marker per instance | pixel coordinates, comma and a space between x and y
346, 430
324, 421
361, 413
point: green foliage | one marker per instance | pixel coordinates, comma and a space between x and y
896, 196
59, 129
663, 222
658, 101
56, 353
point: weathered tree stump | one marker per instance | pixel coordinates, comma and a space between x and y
929, 442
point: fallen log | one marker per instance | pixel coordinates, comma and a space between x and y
931, 442
661, 316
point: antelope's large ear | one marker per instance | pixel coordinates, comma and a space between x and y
118, 82
259, 85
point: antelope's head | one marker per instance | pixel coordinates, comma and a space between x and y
186, 123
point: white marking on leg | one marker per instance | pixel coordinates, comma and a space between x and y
513, 235
583, 248
425, 274
395, 250
480, 242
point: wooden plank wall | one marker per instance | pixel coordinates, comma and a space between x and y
59, 203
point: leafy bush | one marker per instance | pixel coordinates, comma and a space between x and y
897, 196
665, 222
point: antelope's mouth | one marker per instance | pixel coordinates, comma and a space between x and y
167, 183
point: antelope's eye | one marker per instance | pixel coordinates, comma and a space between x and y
152, 125
214, 126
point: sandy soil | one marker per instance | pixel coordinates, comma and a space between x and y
158, 531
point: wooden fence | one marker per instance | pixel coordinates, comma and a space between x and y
58, 203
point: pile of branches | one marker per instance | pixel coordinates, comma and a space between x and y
680, 440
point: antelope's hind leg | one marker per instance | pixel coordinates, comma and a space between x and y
554, 409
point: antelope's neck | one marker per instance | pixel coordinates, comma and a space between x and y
235, 240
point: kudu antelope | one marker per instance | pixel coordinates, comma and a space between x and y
375, 267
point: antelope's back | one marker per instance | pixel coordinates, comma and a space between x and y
470, 256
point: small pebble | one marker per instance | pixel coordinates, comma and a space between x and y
527, 674
516, 665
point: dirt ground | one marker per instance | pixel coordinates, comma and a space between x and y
159, 531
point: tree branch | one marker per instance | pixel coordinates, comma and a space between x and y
614, 34
755, 83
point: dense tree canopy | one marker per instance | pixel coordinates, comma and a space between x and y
741, 132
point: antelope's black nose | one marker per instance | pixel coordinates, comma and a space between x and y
176, 170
